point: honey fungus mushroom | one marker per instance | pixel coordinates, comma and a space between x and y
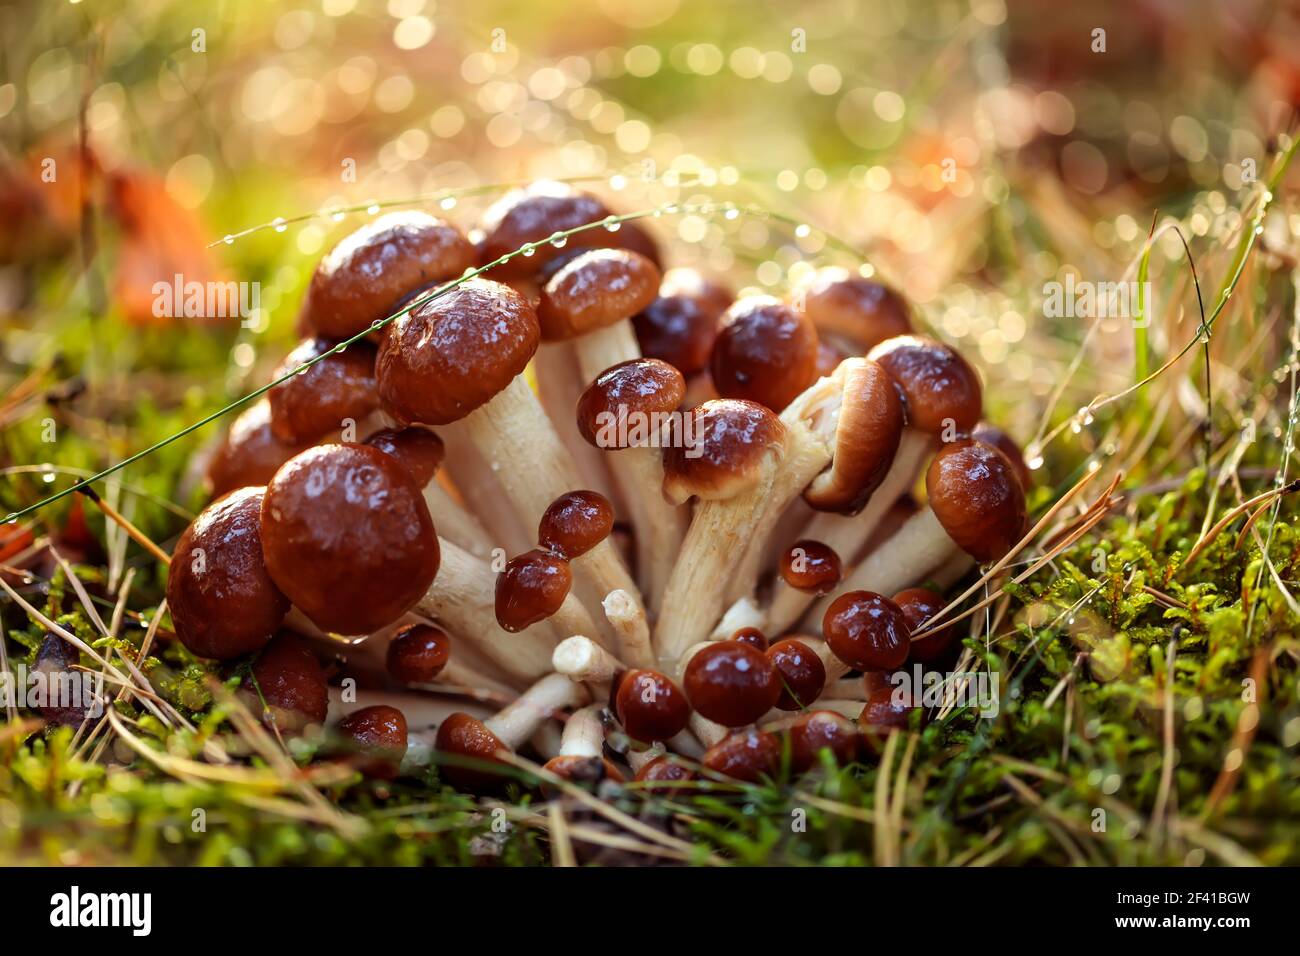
418, 653
322, 398
764, 352
361, 280
857, 311
650, 706
374, 739
800, 673
224, 602
574, 523
532, 587
679, 327
821, 730
347, 536
867, 631
287, 684
731, 683
249, 453
582, 750
530, 216
747, 755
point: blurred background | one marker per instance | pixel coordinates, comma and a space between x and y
967, 152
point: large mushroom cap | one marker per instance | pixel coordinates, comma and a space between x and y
867, 631
867, 432
348, 537
940, 387
362, 278
464, 738
858, 310
223, 602
990, 434
532, 215
289, 679
975, 494
747, 755
681, 324
719, 449
417, 449
596, 289
620, 408
765, 352
321, 399
731, 683
650, 706
453, 353
250, 454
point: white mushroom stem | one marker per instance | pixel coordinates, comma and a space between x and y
520, 720
951, 571
847, 535
582, 660
721, 530
707, 731
834, 667
744, 613
463, 597
547, 740
629, 622
902, 561
455, 522
481, 489
559, 386
658, 524
584, 733
636, 759
520, 445
846, 688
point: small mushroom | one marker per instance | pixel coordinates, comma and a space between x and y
681, 324
361, 280
650, 706
867, 631
321, 399
289, 680
347, 536
418, 653
861, 312
747, 755
249, 454
663, 773
811, 566
375, 740
574, 523
532, 587
731, 683
582, 750
764, 352
818, 731
223, 601
753, 637
918, 606
799, 672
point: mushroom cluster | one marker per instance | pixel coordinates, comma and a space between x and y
533, 470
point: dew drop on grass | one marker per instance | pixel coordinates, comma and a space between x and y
448, 202
559, 240
612, 224
279, 224
527, 250
228, 239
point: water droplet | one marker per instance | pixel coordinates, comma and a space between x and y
448, 202
612, 224
337, 215
732, 213
617, 182
279, 224
559, 240
802, 231
228, 239
527, 249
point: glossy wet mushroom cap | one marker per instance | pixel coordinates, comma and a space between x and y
249, 454
718, 449
375, 737
531, 588
811, 567
418, 653
594, 290
918, 606
800, 673
748, 755
753, 637
466, 739
362, 278
731, 683
416, 449
327, 395
868, 427
975, 494
867, 631
532, 215
765, 352
289, 679
681, 324
861, 311
940, 389
990, 434
452, 354
223, 601
650, 706
818, 731
627, 403
347, 536
664, 774
584, 771
574, 523
888, 708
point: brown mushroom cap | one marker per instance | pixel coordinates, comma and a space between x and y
317, 401
416, 449
888, 708
867, 431
347, 536
940, 388
377, 736
624, 405
859, 310
747, 755
418, 653
532, 215
250, 454
650, 706
800, 672
290, 680
867, 631
819, 730
975, 494
574, 523
361, 279
829, 356
681, 324
464, 737
753, 637
765, 352
531, 588
634, 237
584, 770
990, 434
718, 451
594, 290
731, 683
223, 602
918, 606
56, 661
664, 770
811, 567
452, 354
